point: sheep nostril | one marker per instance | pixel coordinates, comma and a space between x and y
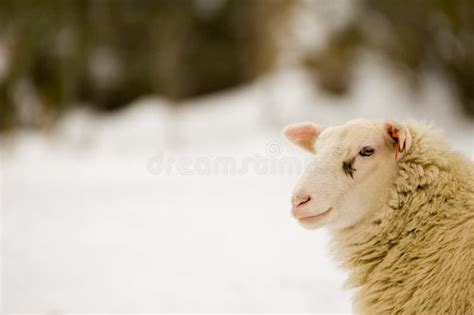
304, 201
301, 200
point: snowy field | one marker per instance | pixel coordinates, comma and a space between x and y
91, 223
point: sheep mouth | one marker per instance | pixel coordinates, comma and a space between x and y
315, 218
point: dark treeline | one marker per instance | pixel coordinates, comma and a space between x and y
415, 36
105, 53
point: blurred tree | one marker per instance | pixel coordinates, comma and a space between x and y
105, 53
415, 36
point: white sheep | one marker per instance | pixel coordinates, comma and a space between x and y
400, 207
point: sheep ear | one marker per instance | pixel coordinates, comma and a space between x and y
303, 135
399, 133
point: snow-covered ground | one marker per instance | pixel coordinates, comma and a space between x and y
131, 212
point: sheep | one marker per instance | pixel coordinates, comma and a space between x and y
399, 205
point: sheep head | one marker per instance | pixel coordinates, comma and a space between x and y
352, 171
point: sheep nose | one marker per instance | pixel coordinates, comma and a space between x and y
299, 200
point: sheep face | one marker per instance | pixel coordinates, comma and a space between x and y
353, 168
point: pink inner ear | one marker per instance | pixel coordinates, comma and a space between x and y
401, 135
303, 135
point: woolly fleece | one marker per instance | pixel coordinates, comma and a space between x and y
415, 255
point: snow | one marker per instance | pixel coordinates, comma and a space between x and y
89, 224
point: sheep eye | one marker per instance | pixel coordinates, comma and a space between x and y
367, 151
